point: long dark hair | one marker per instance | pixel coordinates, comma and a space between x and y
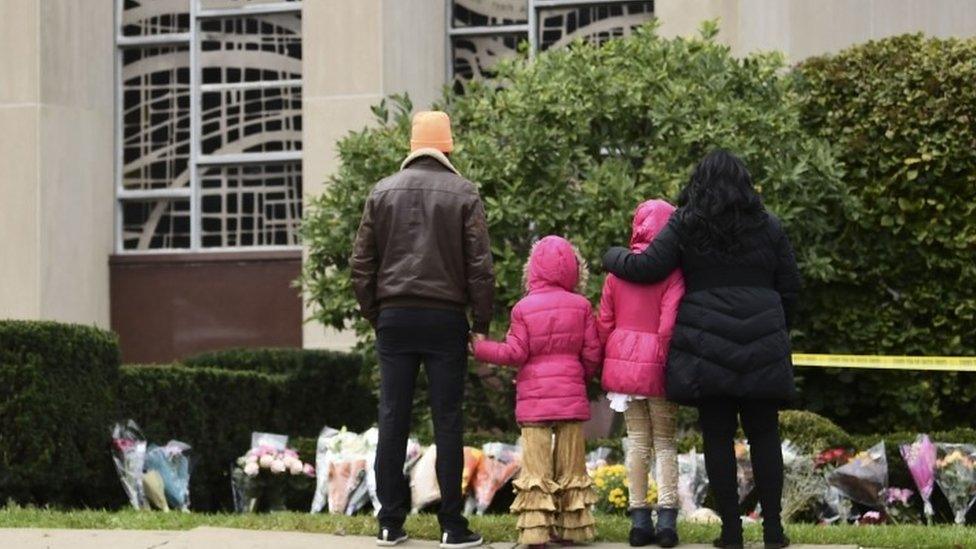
719, 204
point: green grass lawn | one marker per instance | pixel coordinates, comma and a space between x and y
500, 528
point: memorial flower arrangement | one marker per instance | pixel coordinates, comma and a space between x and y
863, 478
920, 458
955, 471
898, 507
261, 476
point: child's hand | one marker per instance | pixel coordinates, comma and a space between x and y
473, 339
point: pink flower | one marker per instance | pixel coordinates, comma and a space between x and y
296, 467
291, 453
898, 495
309, 470
277, 466
871, 517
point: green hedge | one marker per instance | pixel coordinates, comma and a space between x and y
211, 409
57, 393
901, 113
319, 387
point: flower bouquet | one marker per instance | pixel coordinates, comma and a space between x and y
499, 464
802, 484
129, 455
920, 458
692, 482
342, 459
610, 482
472, 459
898, 507
834, 508
424, 489
260, 476
864, 478
955, 471
600, 457
743, 468
166, 480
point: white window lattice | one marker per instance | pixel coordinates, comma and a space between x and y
483, 32
209, 122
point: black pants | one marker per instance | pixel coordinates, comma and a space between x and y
404, 339
719, 419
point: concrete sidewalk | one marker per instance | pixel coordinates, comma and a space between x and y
222, 538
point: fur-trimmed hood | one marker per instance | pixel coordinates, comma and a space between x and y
555, 262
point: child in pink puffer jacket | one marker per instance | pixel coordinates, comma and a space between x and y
635, 325
554, 343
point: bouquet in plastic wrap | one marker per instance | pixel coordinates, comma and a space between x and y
424, 489
692, 482
803, 484
920, 458
259, 477
834, 507
472, 459
955, 471
166, 481
342, 459
499, 464
864, 478
743, 470
898, 506
129, 455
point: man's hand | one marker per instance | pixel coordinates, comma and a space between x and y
473, 339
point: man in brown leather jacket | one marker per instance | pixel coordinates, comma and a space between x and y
421, 258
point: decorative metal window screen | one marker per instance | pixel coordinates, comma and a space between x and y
210, 124
483, 32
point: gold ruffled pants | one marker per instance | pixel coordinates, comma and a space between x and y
553, 491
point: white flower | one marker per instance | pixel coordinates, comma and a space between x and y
251, 469
289, 461
277, 466
296, 467
266, 461
251, 458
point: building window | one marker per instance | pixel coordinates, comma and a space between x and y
209, 123
483, 32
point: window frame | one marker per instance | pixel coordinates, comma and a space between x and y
197, 161
530, 27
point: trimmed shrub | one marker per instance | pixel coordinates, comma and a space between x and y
902, 113
319, 387
810, 432
57, 393
213, 410
570, 144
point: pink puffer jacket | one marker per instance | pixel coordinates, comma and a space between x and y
636, 320
552, 339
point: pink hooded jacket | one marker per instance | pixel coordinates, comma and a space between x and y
552, 339
636, 320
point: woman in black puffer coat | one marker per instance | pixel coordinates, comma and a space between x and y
730, 351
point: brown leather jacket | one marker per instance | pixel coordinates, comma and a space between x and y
423, 242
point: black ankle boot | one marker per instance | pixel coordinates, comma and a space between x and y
776, 543
642, 529
667, 527
731, 537
773, 535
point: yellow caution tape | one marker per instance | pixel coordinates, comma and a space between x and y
937, 363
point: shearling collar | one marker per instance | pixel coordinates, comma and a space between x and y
432, 153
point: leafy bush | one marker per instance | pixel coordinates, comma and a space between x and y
902, 112
811, 433
213, 410
319, 387
570, 144
57, 393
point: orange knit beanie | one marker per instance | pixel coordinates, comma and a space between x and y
431, 129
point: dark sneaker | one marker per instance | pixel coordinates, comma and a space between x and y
641, 537
460, 540
390, 536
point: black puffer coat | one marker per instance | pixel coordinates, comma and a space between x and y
731, 337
